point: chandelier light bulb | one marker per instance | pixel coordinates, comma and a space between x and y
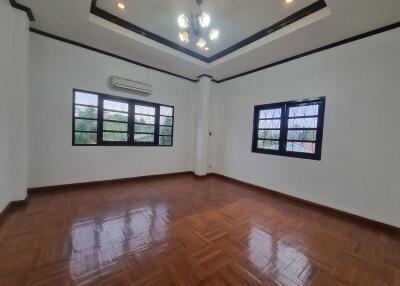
184, 37
183, 21
214, 34
204, 20
201, 43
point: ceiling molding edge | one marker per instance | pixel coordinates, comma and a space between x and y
31, 17
323, 48
289, 20
144, 40
65, 40
327, 47
26, 9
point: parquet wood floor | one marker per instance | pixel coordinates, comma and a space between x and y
181, 230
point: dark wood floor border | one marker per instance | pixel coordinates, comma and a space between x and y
32, 191
303, 202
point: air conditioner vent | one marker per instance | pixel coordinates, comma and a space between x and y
132, 85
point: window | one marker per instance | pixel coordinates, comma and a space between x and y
101, 119
291, 129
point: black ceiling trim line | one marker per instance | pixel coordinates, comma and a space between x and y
36, 31
26, 9
316, 6
330, 46
320, 4
205, 75
136, 29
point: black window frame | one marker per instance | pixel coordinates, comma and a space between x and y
131, 121
284, 121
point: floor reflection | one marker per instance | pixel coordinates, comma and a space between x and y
276, 256
98, 244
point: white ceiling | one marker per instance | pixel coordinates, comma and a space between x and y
236, 19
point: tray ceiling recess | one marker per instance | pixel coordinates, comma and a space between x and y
254, 34
167, 35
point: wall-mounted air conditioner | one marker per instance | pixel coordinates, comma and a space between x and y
131, 85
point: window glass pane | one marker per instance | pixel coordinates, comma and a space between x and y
166, 120
301, 147
113, 136
302, 135
86, 98
145, 119
166, 110
116, 105
303, 123
268, 134
85, 125
148, 110
140, 128
85, 111
144, 138
165, 130
85, 138
114, 126
116, 116
165, 140
269, 124
270, 113
268, 144
304, 110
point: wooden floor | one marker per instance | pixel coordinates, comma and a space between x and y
186, 231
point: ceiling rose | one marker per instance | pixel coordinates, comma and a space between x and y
196, 28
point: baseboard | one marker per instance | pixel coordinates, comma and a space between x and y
296, 200
92, 183
12, 204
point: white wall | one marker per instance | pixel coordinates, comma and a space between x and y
359, 170
14, 49
57, 68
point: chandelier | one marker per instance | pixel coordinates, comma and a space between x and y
196, 27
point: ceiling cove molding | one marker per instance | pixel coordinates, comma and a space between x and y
316, 6
144, 40
205, 75
45, 34
330, 46
136, 29
27, 10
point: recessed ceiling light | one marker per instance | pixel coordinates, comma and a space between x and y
121, 5
206, 49
289, 1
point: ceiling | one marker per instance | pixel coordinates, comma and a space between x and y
236, 20
231, 17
